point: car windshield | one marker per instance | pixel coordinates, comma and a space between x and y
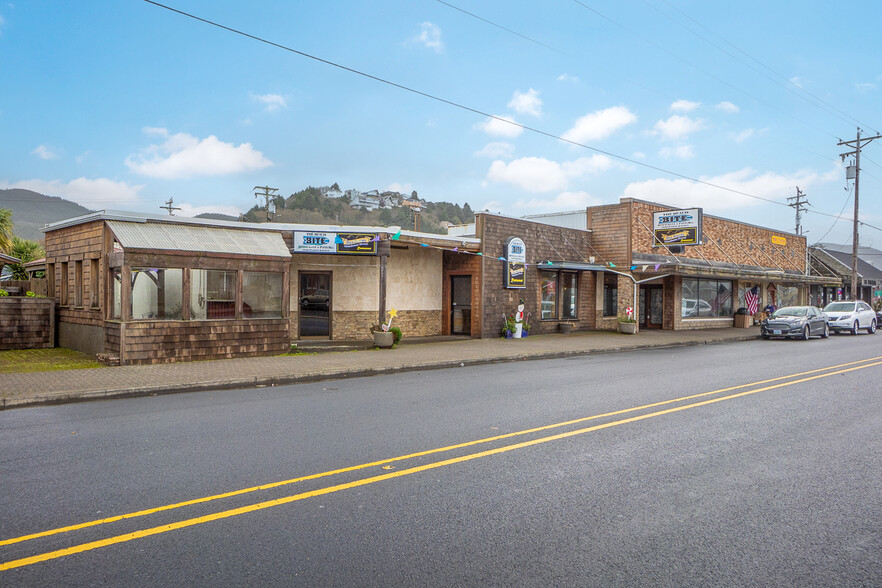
790, 311
839, 307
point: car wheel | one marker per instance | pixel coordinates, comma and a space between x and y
826, 332
855, 328
806, 333
872, 328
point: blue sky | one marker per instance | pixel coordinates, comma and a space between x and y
123, 104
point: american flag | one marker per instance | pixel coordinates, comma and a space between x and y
751, 298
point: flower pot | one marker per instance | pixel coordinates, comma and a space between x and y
384, 339
519, 328
628, 328
565, 328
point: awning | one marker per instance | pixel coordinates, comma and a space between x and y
715, 269
198, 239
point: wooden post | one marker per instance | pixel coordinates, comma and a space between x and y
383, 250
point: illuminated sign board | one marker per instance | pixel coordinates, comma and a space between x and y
677, 227
515, 272
326, 242
776, 240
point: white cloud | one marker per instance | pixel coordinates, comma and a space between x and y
497, 150
500, 128
678, 126
686, 193
271, 102
678, 152
155, 131
95, 194
561, 202
743, 135
189, 210
400, 188
600, 124
44, 152
184, 156
526, 102
537, 174
727, 106
565, 77
796, 81
430, 36
684, 106
865, 87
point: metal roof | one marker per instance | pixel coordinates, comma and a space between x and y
178, 237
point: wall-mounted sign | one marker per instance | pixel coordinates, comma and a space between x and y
677, 227
325, 242
515, 272
776, 240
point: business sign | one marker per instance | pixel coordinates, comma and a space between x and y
677, 227
776, 240
326, 242
515, 273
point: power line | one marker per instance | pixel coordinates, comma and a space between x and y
469, 108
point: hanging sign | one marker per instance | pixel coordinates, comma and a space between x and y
677, 227
327, 242
515, 271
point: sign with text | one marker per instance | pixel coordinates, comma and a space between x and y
677, 227
334, 243
515, 273
776, 240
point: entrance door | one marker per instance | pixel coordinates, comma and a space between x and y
651, 306
461, 305
315, 305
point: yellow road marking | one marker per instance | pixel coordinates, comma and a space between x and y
374, 479
272, 485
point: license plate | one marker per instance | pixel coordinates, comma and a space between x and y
776, 332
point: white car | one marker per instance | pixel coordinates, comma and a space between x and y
851, 316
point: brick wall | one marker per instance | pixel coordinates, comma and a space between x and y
543, 242
611, 233
27, 323
461, 264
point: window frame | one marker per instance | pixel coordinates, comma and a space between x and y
559, 313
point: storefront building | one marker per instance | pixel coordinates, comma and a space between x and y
145, 288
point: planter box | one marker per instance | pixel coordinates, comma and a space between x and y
628, 328
384, 339
565, 328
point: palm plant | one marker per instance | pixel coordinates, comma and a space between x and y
5, 230
26, 251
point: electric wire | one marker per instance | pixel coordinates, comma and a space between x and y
475, 110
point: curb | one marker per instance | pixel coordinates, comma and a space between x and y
273, 381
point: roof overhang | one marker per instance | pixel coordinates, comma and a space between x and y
180, 238
701, 268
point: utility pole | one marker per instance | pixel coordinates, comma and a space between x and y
170, 207
267, 194
857, 144
799, 204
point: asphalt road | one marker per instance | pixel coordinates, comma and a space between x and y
719, 465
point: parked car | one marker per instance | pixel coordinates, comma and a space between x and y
851, 316
800, 322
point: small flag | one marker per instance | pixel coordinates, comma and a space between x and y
481, 254
456, 248
549, 262
751, 298
423, 245
396, 236
643, 269
633, 267
657, 266
376, 238
611, 264
501, 259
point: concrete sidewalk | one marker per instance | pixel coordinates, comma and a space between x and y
27, 389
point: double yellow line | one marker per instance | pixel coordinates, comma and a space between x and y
764, 385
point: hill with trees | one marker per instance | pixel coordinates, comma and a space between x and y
32, 210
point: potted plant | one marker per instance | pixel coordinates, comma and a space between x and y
565, 328
382, 339
508, 325
627, 323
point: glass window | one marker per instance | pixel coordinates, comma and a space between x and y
788, 295
212, 294
548, 285
706, 298
157, 293
568, 299
610, 294
262, 295
116, 292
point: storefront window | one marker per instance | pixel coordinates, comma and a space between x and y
788, 295
569, 299
610, 294
548, 285
706, 298
116, 303
157, 293
262, 295
212, 294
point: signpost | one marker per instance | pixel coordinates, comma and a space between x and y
677, 227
